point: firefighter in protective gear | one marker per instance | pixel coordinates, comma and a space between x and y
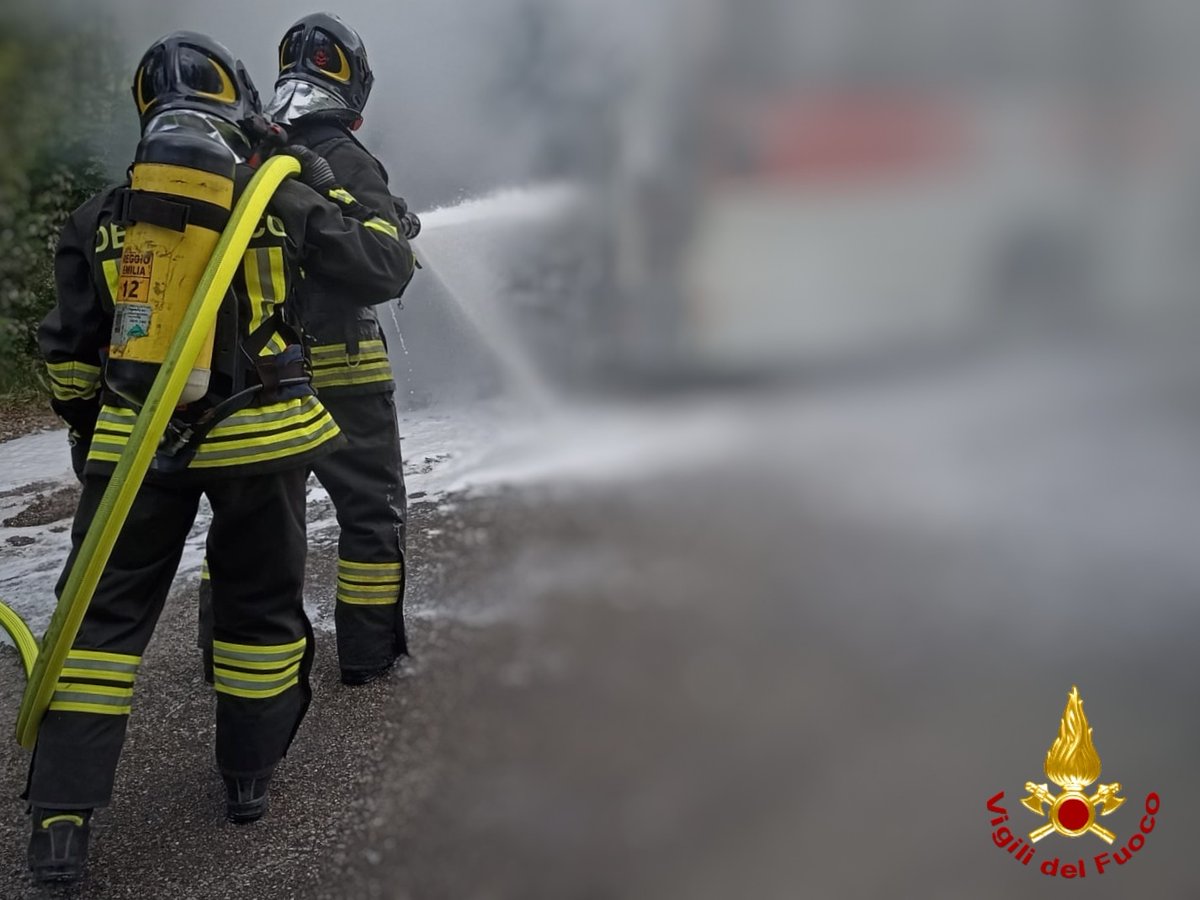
324, 82
247, 445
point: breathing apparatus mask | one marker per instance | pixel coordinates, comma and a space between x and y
201, 125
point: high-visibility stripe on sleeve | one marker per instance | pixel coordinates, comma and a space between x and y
266, 285
255, 264
383, 225
112, 278
204, 576
73, 380
342, 196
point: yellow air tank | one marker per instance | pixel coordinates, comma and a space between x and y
179, 201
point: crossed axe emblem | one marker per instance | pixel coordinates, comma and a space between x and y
1105, 800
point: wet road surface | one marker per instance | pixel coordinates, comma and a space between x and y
799, 669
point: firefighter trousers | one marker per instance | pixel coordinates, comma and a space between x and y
365, 481
261, 637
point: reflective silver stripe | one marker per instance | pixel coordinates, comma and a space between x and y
102, 665
119, 421
381, 587
282, 657
266, 668
350, 568
73, 380
73, 368
327, 429
368, 598
64, 695
345, 376
362, 359
365, 348
359, 365
107, 656
384, 226
256, 692
267, 653
231, 679
300, 426
369, 583
268, 415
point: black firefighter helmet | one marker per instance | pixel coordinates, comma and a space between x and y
323, 50
190, 71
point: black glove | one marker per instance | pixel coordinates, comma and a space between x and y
410, 225
80, 444
315, 170
265, 137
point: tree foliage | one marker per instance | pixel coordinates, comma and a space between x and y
61, 99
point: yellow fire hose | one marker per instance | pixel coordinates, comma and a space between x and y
43, 667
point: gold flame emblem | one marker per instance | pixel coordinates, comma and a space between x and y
1073, 763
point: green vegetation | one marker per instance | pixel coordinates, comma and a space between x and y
61, 99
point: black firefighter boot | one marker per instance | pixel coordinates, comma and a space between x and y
58, 846
246, 798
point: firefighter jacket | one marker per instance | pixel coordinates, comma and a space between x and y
337, 240
349, 355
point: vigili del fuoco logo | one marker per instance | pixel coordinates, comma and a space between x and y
1073, 764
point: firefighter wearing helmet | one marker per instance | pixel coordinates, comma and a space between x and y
246, 437
323, 85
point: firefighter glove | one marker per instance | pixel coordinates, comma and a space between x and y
410, 225
80, 444
315, 170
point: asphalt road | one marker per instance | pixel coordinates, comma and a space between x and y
800, 669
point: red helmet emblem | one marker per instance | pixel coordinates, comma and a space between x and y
321, 58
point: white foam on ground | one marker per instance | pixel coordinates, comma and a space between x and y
40, 456
477, 449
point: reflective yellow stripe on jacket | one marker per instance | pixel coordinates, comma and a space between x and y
257, 672
375, 223
333, 366
73, 380
265, 272
95, 681
254, 435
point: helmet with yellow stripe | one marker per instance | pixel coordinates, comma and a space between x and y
321, 51
190, 71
